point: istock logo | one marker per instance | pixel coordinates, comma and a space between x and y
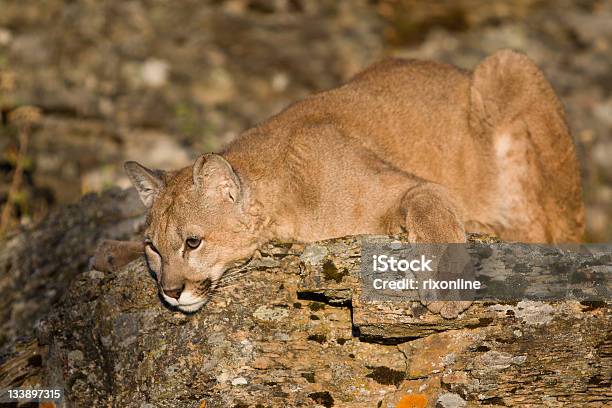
384, 263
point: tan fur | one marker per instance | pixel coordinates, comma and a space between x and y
405, 145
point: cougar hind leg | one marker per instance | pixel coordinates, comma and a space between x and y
539, 191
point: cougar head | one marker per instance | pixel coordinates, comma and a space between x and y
199, 224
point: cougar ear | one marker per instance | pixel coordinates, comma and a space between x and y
147, 182
213, 173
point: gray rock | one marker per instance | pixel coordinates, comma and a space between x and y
314, 254
449, 400
239, 381
75, 357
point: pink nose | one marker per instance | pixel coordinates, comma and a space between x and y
174, 293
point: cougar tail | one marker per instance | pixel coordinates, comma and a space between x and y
511, 100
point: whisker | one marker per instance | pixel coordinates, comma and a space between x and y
233, 274
231, 277
227, 283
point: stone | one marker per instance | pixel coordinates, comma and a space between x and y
449, 400
155, 72
239, 381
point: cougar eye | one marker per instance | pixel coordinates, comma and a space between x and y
193, 242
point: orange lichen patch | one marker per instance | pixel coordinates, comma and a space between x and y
47, 405
413, 401
203, 404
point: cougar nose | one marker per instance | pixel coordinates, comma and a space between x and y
174, 293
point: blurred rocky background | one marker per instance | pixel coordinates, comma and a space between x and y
161, 81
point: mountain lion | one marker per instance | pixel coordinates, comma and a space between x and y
406, 145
